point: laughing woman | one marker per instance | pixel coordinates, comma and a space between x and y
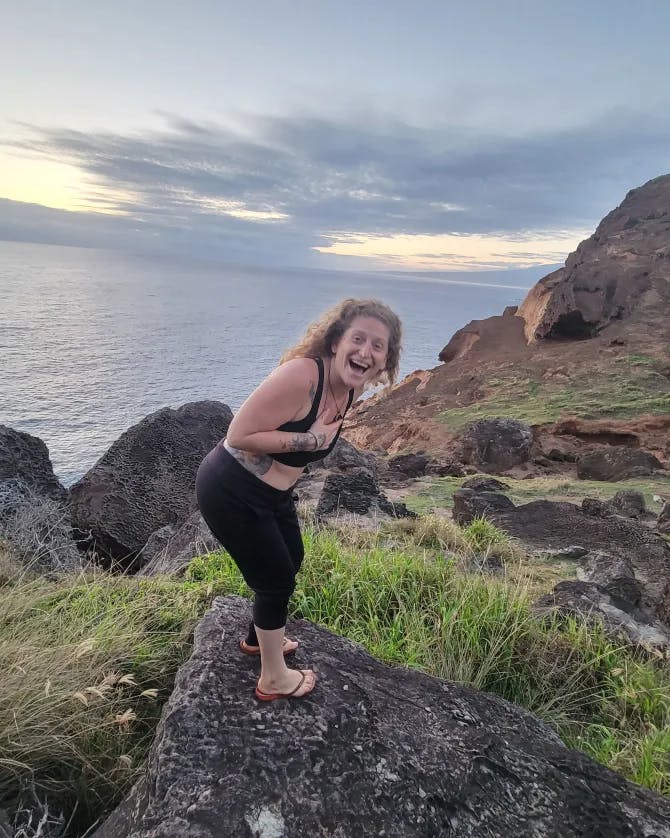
244, 485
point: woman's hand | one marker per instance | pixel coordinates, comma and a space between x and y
324, 432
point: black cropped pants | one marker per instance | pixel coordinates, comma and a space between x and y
258, 526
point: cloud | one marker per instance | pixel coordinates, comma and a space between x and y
278, 187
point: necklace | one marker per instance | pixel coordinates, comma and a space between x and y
339, 415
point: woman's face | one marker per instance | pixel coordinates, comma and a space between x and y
360, 354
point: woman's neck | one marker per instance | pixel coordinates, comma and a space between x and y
336, 388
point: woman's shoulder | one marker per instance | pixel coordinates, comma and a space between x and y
297, 371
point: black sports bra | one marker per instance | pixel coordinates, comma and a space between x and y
300, 426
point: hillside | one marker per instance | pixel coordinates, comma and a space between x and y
584, 358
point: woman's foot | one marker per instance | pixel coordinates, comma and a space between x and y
294, 684
288, 647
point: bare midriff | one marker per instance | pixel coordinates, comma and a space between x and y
263, 466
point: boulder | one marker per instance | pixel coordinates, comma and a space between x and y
445, 467
357, 492
597, 508
484, 484
545, 525
409, 465
619, 618
615, 574
374, 750
346, 457
169, 550
469, 504
630, 504
26, 458
495, 445
610, 463
146, 479
405, 467
663, 523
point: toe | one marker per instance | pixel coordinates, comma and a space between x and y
308, 683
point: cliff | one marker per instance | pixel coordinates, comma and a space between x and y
590, 342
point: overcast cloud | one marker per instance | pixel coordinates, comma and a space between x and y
278, 187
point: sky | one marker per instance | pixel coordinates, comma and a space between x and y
421, 136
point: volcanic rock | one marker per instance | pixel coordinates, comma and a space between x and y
663, 523
495, 445
169, 550
594, 603
26, 457
346, 457
616, 462
505, 329
484, 484
146, 479
356, 492
374, 750
544, 524
410, 465
624, 264
471, 503
630, 504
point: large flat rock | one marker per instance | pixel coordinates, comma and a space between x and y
374, 750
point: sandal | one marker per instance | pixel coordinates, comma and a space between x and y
248, 649
261, 696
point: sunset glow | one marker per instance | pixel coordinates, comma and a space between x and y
451, 252
49, 183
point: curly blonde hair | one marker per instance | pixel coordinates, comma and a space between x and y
322, 333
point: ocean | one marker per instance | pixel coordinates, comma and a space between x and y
91, 341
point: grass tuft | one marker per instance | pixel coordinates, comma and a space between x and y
87, 661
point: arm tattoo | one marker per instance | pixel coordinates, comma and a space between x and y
301, 442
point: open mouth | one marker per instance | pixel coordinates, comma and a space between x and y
357, 367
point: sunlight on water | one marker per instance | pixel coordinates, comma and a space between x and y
92, 341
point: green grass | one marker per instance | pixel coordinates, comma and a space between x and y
87, 662
439, 492
638, 387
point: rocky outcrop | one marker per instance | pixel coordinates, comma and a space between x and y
607, 277
170, 549
356, 492
409, 465
412, 466
616, 614
548, 525
26, 458
475, 503
484, 484
345, 457
146, 480
623, 266
374, 750
616, 462
505, 329
496, 445
630, 504
663, 523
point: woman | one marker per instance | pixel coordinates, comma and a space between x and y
244, 486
